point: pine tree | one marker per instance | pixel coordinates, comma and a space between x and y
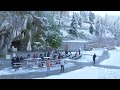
91, 29
53, 37
91, 16
73, 28
80, 22
97, 28
83, 15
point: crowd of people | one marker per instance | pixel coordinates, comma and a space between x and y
55, 55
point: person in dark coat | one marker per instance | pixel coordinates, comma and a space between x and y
21, 58
48, 54
40, 55
13, 61
42, 58
18, 61
34, 56
28, 56
59, 56
45, 54
79, 51
94, 56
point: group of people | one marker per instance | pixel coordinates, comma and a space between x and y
48, 65
54, 55
16, 59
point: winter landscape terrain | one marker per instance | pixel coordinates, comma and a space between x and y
108, 68
36, 32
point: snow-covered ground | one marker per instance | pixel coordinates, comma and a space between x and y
107, 69
88, 73
114, 59
76, 40
9, 71
78, 74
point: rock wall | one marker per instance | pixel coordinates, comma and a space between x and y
12, 23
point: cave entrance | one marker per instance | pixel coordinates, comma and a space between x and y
16, 44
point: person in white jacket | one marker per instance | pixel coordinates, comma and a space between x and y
62, 62
14, 55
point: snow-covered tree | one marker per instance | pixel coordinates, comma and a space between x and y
80, 22
73, 28
97, 27
91, 16
84, 15
61, 13
54, 40
91, 29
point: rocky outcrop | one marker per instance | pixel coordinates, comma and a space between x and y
13, 23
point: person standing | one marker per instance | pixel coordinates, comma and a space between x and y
79, 51
28, 56
48, 65
48, 54
94, 57
14, 55
34, 56
62, 62
76, 54
13, 61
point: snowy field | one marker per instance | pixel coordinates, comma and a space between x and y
107, 69
9, 71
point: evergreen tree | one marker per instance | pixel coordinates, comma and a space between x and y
73, 28
97, 28
53, 36
83, 15
91, 16
91, 29
80, 22
54, 40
